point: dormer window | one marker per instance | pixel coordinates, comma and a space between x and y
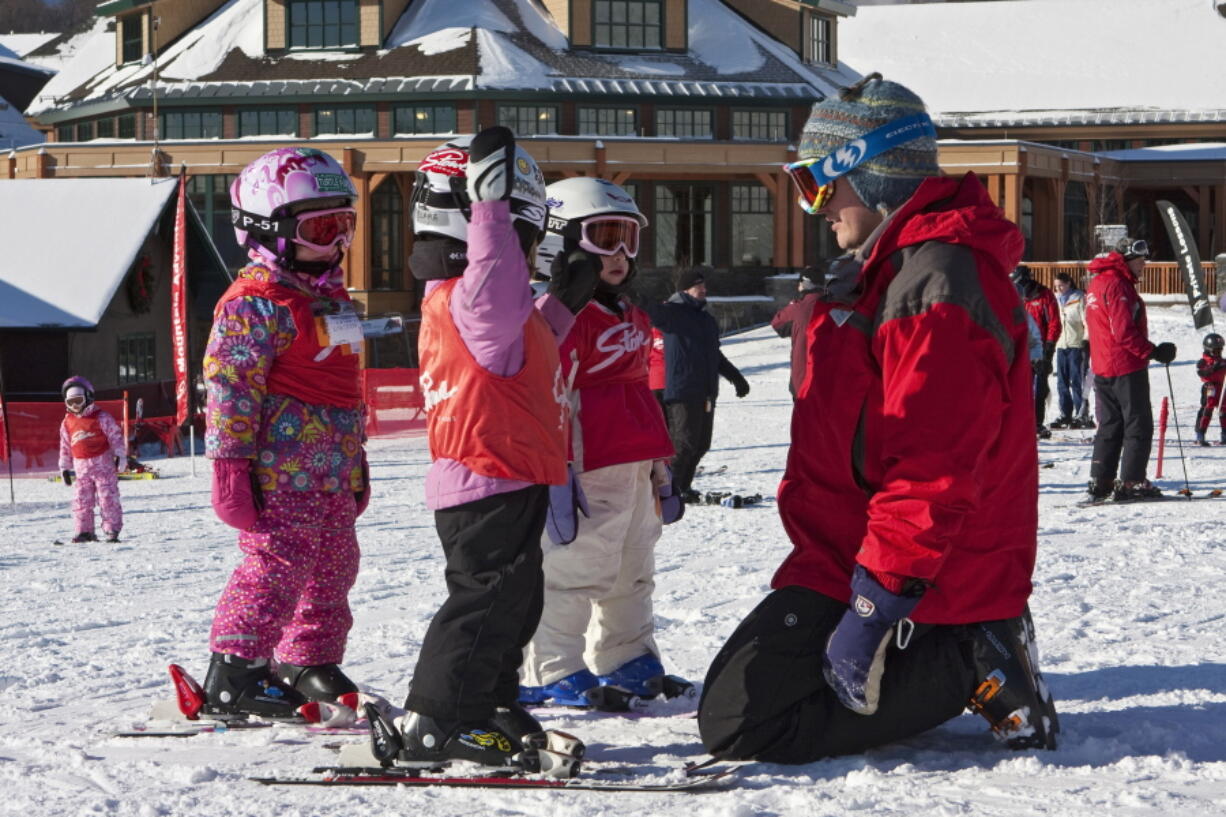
819, 42
628, 23
132, 38
323, 23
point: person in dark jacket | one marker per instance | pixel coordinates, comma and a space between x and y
1119, 337
1041, 303
792, 320
911, 489
693, 365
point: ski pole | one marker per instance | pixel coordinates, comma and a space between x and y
1187, 488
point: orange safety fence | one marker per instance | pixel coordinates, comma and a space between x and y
394, 408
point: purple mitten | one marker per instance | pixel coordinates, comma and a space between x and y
671, 506
234, 500
566, 502
363, 496
855, 653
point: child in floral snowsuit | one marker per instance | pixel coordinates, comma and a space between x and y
284, 428
91, 447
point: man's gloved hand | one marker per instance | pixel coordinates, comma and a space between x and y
566, 502
573, 279
1164, 352
671, 506
68, 476
741, 385
490, 171
236, 497
1049, 349
855, 654
362, 497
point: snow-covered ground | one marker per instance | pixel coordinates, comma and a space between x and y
1128, 601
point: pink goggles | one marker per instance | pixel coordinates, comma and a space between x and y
322, 230
605, 235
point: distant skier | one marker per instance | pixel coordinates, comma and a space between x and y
284, 428
1212, 371
1041, 305
91, 449
1072, 354
792, 320
597, 627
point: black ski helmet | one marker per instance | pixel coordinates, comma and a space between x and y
1213, 343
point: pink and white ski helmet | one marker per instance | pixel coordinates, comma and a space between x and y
280, 184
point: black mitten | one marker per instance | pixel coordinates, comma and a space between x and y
574, 278
1164, 352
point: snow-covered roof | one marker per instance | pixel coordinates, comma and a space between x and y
14, 132
1048, 62
498, 45
1199, 152
20, 45
65, 253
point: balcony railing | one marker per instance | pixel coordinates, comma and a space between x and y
1159, 277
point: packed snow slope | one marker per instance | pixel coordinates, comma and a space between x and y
1128, 602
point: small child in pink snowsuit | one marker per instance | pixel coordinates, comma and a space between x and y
91, 448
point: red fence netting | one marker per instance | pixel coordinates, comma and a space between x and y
394, 406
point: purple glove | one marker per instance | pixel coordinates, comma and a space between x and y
855, 653
363, 496
566, 502
671, 506
236, 499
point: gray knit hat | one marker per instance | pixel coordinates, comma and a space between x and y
887, 180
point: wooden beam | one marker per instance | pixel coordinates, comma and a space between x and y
357, 259
620, 178
779, 239
377, 179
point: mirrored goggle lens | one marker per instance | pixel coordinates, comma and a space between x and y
606, 236
812, 195
326, 228
1140, 247
75, 401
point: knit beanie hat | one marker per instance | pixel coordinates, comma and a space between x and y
889, 179
689, 278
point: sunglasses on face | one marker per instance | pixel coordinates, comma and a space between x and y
323, 229
608, 234
812, 193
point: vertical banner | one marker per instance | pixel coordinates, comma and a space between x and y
178, 307
1189, 263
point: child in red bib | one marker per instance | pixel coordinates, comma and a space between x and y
91, 448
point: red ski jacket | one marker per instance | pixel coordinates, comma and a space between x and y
1046, 313
913, 448
1115, 319
1211, 369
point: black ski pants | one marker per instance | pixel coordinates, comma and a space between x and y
1125, 427
690, 425
470, 657
765, 697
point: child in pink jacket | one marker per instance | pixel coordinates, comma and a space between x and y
91, 448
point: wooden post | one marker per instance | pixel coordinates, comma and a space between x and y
1203, 221
12, 164
1219, 226
601, 167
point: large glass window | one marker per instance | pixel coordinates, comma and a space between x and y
268, 122
387, 236
210, 195
65, 133
683, 224
627, 23
760, 126
132, 37
409, 119
345, 119
323, 23
753, 226
191, 124
106, 128
85, 131
608, 121
684, 123
821, 39
127, 126
529, 120
1077, 233
137, 363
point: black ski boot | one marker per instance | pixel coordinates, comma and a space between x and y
1099, 490
517, 722
237, 686
84, 536
1012, 695
318, 682
429, 740
1138, 491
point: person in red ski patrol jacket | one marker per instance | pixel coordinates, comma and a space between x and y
91, 449
911, 489
284, 428
497, 418
1041, 303
594, 645
793, 319
1211, 369
1120, 355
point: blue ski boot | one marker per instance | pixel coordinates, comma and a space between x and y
644, 677
567, 692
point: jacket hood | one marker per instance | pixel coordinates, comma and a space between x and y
954, 211
1112, 262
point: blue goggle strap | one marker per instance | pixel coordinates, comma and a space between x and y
850, 155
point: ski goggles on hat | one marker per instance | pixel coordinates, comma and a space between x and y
814, 177
323, 229
1136, 249
605, 235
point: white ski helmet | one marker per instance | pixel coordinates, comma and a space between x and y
573, 201
440, 205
